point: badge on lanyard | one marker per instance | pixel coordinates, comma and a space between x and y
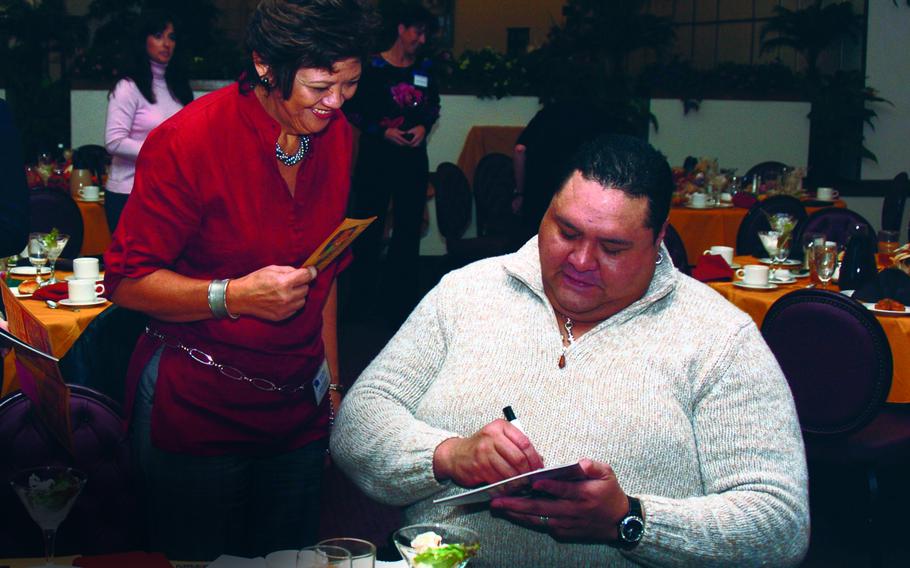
421, 80
321, 382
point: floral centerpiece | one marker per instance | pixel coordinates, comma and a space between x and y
704, 176
789, 183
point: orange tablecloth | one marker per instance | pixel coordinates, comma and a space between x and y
65, 327
97, 236
756, 303
483, 140
700, 229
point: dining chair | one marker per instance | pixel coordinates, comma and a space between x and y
677, 250
50, 208
453, 215
92, 157
838, 363
893, 204
766, 170
756, 219
106, 516
100, 357
837, 224
494, 188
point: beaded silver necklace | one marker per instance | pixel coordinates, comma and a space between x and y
301, 153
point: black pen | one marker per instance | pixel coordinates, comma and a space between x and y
510, 416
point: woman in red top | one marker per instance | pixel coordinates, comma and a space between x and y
227, 387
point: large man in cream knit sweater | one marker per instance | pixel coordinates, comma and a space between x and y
668, 395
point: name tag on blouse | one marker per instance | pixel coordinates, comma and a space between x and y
321, 382
421, 80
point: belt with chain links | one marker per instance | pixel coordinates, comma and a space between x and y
232, 373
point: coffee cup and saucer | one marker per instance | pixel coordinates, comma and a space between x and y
754, 277
782, 276
83, 293
89, 193
724, 252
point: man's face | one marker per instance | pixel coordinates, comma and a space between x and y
596, 254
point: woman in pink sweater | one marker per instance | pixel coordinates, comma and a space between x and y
145, 95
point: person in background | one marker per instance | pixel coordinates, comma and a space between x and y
147, 93
395, 109
665, 393
230, 388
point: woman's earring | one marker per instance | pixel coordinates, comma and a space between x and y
265, 81
660, 257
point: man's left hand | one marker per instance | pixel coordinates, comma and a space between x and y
587, 510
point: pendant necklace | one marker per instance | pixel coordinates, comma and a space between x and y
568, 340
301, 153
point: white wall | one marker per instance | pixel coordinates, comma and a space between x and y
739, 134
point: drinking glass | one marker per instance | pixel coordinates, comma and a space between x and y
825, 261
465, 542
54, 248
323, 556
37, 253
48, 494
363, 552
809, 240
888, 241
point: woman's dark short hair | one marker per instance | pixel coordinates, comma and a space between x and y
630, 165
292, 34
406, 13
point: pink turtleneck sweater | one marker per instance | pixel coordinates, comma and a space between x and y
130, 118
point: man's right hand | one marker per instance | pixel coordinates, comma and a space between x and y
497, 451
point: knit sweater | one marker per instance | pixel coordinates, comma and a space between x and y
130, 118
678, 392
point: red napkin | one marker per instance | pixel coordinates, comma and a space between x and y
744, 200
131, 559
56, 292
712, 267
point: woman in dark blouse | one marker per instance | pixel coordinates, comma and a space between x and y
396, 105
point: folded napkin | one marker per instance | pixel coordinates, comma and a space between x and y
56, 292
131, 559
712, 267
890, 283
744, 200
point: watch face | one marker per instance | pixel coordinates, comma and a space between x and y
631, 529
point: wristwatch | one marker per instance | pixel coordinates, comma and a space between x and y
631, 527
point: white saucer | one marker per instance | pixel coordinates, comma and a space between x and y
15, 291
736, 265
84, 200
28, 270
723, 205
95, 302
788, 262
98, 278
779, 281
871, 307
768, 286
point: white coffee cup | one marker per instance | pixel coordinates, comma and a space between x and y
725, 252
699, 200
90, 193
84, 290
85, 268
754, 274
825, 193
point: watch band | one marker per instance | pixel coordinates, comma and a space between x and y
631, 527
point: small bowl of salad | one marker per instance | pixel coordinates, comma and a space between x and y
436, 545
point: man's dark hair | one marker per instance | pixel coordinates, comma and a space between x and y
630, 165
315, 34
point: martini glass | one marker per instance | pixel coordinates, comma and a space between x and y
37, 254
48, 494
457, 545
770, 240
54, 248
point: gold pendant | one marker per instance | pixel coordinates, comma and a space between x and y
562, 361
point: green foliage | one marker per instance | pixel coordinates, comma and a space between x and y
485, 73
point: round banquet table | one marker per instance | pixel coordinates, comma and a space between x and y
700, 229
756, 303
97, 235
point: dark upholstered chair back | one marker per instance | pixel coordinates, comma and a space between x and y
895, 199
100, 357
54, 208
453, 200
835, 223
835, 356
91, 157
674, 244
494, 185
106, 515
747, 241
767, 170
